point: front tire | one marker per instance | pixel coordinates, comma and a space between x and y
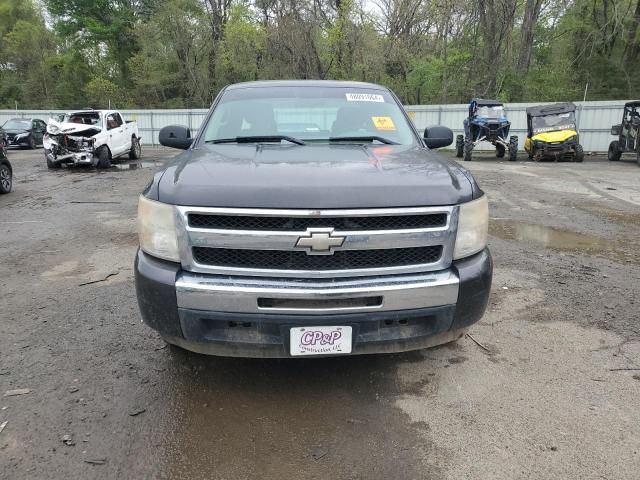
104, 157
513, 149
51, 165
614, 153
136, 150
459, 146
579, 153
6, 178
500, 151
468, 148
32, 143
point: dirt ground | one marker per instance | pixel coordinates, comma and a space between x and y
550, 391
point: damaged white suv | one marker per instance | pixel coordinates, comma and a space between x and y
90, 137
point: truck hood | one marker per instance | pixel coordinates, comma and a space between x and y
314, 176
554, 136
77, 129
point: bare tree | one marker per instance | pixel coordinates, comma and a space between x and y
632, 47
496, 21
218, 15
531, 14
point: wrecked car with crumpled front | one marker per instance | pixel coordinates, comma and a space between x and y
90, 137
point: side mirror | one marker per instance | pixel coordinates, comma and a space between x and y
175, 136
438, 137
616, 130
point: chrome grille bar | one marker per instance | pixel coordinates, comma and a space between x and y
190, 237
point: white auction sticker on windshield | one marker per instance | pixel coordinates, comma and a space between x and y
364, 97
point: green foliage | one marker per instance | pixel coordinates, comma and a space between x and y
11, 11
242, 48
26, 48
424, 81
180, 53
171, 66
103, 93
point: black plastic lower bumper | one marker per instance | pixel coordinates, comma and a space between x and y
554, 149
267, 335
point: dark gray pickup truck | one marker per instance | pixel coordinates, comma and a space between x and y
311, 218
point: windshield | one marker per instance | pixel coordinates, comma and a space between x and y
85, 118
17, 124
311, 114
549, 123
490, 112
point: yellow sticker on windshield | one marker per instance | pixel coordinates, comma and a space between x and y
384, 123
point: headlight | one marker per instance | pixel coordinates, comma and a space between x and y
52, 129
22, 135
473, 225
157, 229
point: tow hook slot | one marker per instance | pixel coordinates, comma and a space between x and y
319, 304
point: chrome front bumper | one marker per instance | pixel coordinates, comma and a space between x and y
78, 158
314, 296
252, 317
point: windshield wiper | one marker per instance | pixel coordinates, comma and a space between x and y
366, 138
258, 139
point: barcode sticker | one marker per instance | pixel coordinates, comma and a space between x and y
364, 97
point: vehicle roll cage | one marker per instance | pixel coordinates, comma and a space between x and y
554, 109
482, 102
547, 110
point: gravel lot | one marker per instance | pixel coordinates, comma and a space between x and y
550, 391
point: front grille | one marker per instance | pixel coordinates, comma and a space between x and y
297, 224
299, 260
494, 128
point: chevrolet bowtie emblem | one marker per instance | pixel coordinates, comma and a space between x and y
319, 241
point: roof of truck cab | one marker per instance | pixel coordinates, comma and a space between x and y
634, 103
78, 112
305, 83
487, 102
551, 109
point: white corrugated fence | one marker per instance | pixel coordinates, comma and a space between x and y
594, 119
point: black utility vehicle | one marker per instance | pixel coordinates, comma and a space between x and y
24, 132
6, 172
311, 218
627, 133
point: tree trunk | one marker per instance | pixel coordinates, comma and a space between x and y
531, 14
496, 22
631, 48
445, 66
218, 11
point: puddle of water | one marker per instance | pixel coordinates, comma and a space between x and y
272, 419
565, 240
